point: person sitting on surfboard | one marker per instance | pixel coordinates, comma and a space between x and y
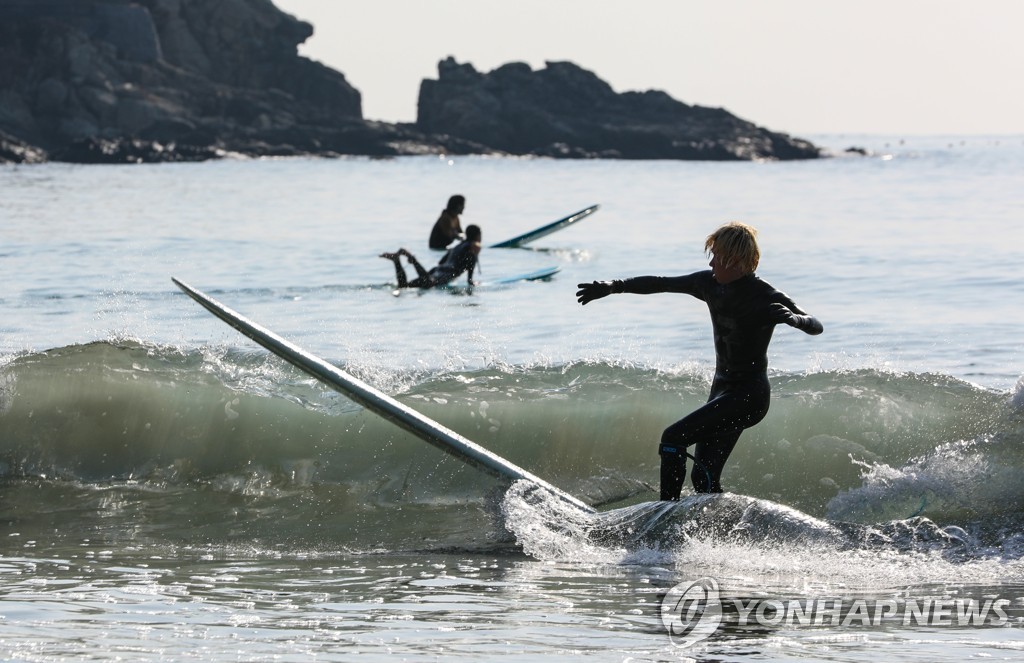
744, 312
462, 258
447, 227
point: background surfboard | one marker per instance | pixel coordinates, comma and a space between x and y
543, 231
537, 275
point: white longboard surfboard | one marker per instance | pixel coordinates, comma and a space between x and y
376, 401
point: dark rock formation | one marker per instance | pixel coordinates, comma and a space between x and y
13, 150
127, 81
566, 111
166, 80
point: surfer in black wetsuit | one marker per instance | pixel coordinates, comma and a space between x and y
744, 312
448, 228
462, 258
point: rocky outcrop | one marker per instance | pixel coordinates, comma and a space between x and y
566, 111
113, 81
13, 150
126, 81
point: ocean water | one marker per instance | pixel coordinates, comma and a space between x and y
169, 491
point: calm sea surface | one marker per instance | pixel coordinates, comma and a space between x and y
170, 492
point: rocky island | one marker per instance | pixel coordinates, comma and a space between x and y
564, 110
129, 81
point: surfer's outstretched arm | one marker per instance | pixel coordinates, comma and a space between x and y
588, 292
791, 315
638, 285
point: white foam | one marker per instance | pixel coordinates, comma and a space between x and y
1017, 396
961, 480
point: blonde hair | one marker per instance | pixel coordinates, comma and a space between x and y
735, 242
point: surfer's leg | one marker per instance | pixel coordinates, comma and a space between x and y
709, 461
673, 473
740, 406
403, 281
424, 276
714, 428
705, 421
710, 454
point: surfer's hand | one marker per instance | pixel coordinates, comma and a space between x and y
780, 314
588, 292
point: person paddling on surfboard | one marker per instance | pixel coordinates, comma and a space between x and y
744, 312
462, 258
447, 228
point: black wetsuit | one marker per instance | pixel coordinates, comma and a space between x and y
742, 320
460, 259
446, 229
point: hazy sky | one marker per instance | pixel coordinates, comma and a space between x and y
797, 66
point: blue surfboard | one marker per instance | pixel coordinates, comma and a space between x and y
545, 230
537, 275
